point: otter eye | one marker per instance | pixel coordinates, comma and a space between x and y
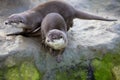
61, 37
21, 21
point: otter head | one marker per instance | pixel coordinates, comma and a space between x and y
17, 20
56, 39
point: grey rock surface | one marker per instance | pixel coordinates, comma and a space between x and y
86, 38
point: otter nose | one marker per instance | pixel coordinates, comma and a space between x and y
6, 22
48, 40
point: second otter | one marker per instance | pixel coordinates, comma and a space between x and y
53, 31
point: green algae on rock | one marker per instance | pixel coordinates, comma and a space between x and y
26, 71
105, 68
116, 72
73, 73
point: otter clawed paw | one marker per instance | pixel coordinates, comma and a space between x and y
12, 34
58, 58
9, 34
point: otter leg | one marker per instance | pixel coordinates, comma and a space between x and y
35, 32
59, 56
20, 33
32, 35
52, 52
25, 33
69, 24
17, 33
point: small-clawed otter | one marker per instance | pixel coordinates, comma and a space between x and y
53, 31
32, 18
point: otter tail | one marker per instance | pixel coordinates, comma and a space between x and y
83, 15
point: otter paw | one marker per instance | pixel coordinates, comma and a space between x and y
58, 58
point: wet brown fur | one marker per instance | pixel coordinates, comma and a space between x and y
32, 18
54, 22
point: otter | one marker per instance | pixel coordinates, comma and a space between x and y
32, 18
54, 34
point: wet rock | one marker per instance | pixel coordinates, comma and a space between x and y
88, 40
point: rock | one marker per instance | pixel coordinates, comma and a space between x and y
88, 40
105, 69
116, 72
